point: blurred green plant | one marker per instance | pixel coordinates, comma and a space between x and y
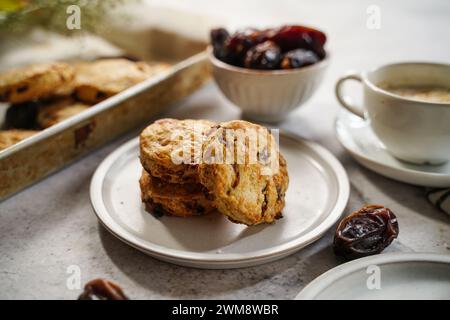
18, 16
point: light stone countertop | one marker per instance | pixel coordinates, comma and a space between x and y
51, 225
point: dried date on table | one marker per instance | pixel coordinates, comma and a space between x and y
101, 289
365, 232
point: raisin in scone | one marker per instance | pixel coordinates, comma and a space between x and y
246, 191
101, 79
181, 200
35, 81
162, 144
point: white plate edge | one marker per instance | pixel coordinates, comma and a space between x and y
316, 286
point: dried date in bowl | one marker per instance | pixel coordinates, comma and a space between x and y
298, 58
299, 37
365, 232
266, 55
245, 48
218, 38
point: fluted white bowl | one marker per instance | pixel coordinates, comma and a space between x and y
267, 95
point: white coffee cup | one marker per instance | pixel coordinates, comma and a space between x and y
411, 130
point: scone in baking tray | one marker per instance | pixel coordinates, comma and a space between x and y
70, 125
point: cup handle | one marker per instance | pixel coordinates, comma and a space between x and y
345, 100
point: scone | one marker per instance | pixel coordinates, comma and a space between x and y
10, 137
182, 200
58, 110
35, 81
246, 191
98, 80
161, 150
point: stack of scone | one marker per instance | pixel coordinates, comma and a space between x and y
246, 192
166, 186
41, 95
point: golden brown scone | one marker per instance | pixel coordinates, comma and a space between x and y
160, 145
101, 79
10, 137
58, 110
248, 192
181, 200
35, 81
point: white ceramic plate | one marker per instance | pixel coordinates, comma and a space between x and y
358, 139
403, 276
317, 195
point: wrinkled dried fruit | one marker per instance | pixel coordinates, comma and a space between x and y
218, 38
299, 37
101, 289
298, 58
266, 55
241, 41
244, 48
365, 232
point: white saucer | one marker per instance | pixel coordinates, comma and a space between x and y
358, 139
318, 193
403, 276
